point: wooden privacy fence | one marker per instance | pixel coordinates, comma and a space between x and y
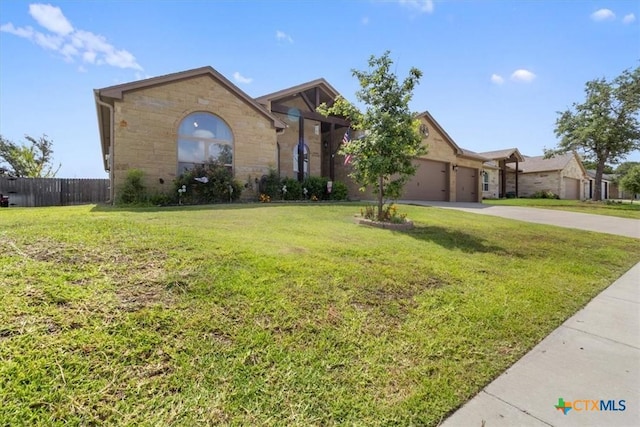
30, 192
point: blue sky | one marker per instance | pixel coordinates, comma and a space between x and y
495, 72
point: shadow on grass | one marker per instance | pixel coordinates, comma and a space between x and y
452, 239
215, 206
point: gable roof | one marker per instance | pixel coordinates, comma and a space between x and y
472, 155
461, 152
117, 91
444, 133
591, 173
508, 153
555, 163
330, 93
108, 95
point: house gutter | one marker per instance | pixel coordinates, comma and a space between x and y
111, 144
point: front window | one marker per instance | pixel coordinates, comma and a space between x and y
204, 138
305, 160
485, 181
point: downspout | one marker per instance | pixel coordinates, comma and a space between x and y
111, 144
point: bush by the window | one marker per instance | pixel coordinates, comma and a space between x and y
293, 189
270, 185
316, 186
339, 191
211, 183
133, 191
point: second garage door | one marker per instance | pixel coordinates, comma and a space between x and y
429, 182
466, 185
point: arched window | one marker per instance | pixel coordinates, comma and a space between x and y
204, 138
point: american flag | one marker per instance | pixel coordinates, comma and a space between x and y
346, 139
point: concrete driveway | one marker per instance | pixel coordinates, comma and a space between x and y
599, 223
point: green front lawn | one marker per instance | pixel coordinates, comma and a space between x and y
276, 314
624, 209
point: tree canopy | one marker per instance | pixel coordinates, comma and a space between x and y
29, 161
631, 181
383, 156
605, 127
591, 165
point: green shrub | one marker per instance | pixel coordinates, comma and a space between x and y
133, 191
544, 194
215, 184
339, 191
270, 185
293, 189
316, 187
161, 199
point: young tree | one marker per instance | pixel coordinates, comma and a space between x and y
383, 157
605, 127
32, 161
631, 181
624, 168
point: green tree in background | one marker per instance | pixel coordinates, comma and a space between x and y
28, 161
605, 127
631, 181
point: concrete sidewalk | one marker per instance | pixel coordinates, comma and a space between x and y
593, 356
600, 223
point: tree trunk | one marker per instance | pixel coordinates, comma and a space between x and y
380, 197
597, 191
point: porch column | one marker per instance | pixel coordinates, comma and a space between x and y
301, 148
517, 178
503, 184
331, 153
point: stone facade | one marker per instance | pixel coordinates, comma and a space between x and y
147, 121
555, 181
440, 147
493, 190
139, 124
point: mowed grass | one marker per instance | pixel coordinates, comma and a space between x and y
276, 314
623, 209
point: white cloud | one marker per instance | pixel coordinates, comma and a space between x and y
497, 79
522, 75
365, 20
241, 79
282, 36
628, 19
47, 41
51, 18
26, 32
71, 43
603, 15
422, 6
89, 57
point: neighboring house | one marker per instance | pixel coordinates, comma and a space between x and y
447, 172
609, 187
168, 124
562, 175
498, 166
